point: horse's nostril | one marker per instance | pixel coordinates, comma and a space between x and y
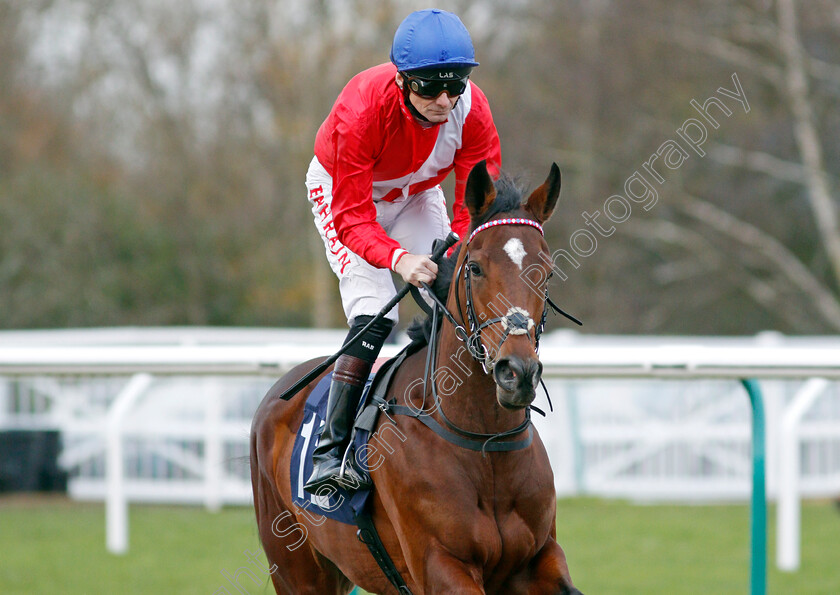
535, 371
512, 373
505, 374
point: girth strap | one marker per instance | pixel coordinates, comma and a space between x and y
368, 535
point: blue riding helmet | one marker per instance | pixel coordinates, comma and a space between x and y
431, 38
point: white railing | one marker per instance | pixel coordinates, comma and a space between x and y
150, 392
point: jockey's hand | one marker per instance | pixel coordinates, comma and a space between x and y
416, 269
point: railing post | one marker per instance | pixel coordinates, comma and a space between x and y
577, 441
788, 530
116, 503
213, 446
758, 504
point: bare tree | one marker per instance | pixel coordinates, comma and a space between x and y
153, 154
767, 44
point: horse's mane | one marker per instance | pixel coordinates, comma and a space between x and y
509, 194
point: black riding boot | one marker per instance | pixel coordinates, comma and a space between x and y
349, 376
346, 388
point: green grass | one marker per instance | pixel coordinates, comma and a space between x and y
618, 548
52, 545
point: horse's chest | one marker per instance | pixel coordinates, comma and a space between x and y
518, 535
513, 533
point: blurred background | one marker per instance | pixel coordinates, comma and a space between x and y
152, 155
159, 269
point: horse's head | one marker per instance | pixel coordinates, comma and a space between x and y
501, 306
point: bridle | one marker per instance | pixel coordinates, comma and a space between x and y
516, 321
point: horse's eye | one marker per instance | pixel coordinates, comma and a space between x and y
474, 268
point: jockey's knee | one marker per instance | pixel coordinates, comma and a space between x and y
371, 342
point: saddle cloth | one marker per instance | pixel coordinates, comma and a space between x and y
345, 504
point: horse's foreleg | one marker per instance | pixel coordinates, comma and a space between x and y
445, 574
549, 572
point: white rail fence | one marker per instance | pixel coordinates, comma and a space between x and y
166, 418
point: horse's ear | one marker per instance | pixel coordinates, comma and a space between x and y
480, 192
542, 201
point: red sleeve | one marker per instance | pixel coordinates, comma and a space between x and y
354, 213
480, 142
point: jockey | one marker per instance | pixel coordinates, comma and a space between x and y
393, 135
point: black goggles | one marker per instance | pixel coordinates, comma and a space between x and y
432, 88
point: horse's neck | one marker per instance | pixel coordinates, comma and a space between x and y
467, 393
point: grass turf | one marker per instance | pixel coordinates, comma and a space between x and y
53, 545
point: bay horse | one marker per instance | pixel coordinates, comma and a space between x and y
454, 519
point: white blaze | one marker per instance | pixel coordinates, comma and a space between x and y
516, 251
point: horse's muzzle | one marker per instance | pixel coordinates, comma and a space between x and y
516, 381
